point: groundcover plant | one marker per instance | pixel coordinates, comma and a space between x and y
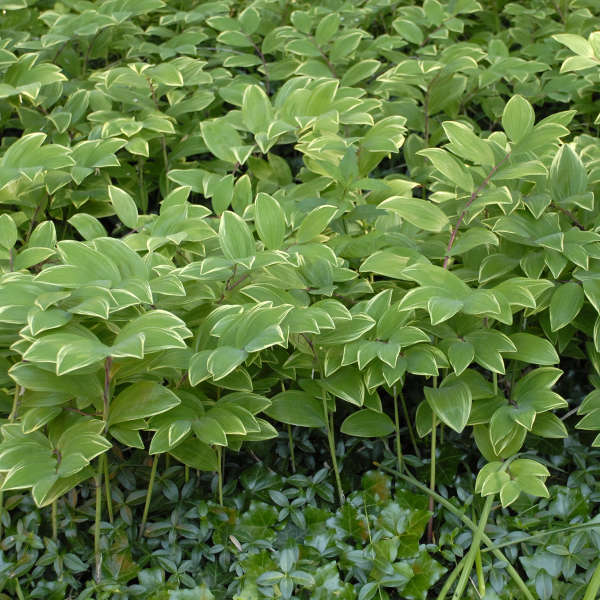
299, 299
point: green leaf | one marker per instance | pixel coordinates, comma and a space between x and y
88, 226
422, 214
568, 176
235, 238
567, 301
315, 222
124, 206
441, 309
347, 384
526, 467
257, 112
576, 43
140, 401
367, 423
165, 74
548, 425
448, 166
222, 361
461, 355
327, 28
385, 263
532, 349
270, 221
509, 493
347, 330
451, 403
196, 454
532, 486
488, 469
296, 407
360, 71
8, 231
223, 140
466, 144
209, 431
518, 118
424, 419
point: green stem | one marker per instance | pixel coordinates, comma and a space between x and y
187, 473
142, 188
411, 431
542, 534
97, 553
54, 521
475, 544
397, 424
15, 406
105, 411
432, 477
291, 442
149, 495
18, 589
495, 382
329, 424
220, 474
594, 585
109, 503
452, 578
468, 522
479, 569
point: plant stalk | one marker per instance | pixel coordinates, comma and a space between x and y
97, 552
468, 522
452, 578
591, 592
411, 431
109, 504
397, 425
479, 570
149, 495
432, 477
330, 437
291, 442
99, 469
54, 521
220, 474
473, 551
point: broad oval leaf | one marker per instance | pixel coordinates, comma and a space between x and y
296, 407
367, 423
124, 206
451, 404
422, 214
140, 401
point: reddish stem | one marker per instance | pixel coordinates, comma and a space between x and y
472, 199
